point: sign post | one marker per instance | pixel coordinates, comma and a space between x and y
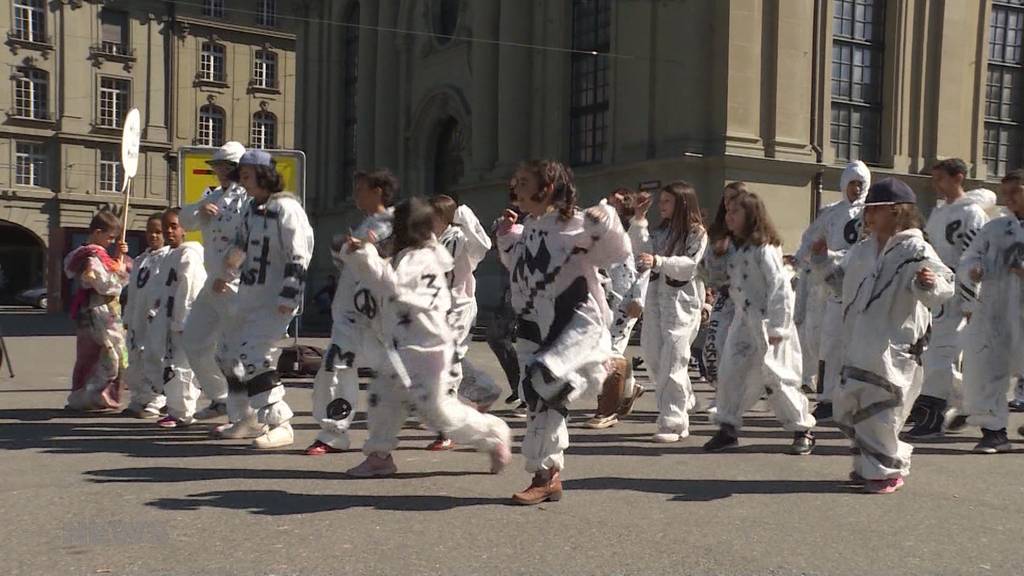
130, 140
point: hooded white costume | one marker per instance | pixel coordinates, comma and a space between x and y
885, 317
214, 313
763, 297
951, 229
278, 247
141, 295
675, 296
563, 339
468, 243
178, 282
995, 334
354, 341
420, 346
840, 225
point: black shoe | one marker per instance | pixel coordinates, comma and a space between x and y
513, 398
803, 443
993, 442
822, 412
1016, 405
915, 415
724, 439
932, 413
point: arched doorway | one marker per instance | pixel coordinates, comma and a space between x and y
22, 261
449, 165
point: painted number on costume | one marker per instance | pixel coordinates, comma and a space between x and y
143, 278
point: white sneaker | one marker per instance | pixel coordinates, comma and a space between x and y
239, 430
668, 437
276, 437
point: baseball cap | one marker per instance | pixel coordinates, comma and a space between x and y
890, 191
256, 158
230, 152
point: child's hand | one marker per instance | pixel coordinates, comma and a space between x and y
721, 247
210, 209
220, 286
775, 340
122, 249
643, 203
352, 244
645, 261
977, 273
634, 309
507, 221
819, 247
925, 278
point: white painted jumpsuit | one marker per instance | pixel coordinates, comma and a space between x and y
420, 348
885, 315
178, 282
840, 225
951, 229
563, 338
468, 243
761, 291
624, 285
675, 297
278, 245
141, 296
716, 273
354, 341
213, 313
995, 333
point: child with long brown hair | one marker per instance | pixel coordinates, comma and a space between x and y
563, 341
671, 255
762, 350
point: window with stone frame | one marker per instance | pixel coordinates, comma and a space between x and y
30, 164
264, 69
590, 86
29, 20
211, 62
31, 94
1003, 141
113, 101
213, 8
266, 12
111, 172
858, 28
210, 131
264, 130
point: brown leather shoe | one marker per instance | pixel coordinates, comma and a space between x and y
542, 489
613, 387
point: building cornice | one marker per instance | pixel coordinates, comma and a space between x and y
225, 26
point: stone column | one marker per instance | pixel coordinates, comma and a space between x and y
367, 94
484, 60
386, 116
514, 84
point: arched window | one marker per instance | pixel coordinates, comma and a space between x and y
449, 166
211, 126
588, 107
211, 63
264, 130
350, 121
31, 94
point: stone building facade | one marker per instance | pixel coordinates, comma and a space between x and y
780, 93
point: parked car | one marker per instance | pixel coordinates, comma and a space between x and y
33, 297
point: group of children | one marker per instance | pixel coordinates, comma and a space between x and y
870, 291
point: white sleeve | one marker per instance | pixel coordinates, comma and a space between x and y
101, 281
478, 243
684, 267
608, 242
297, 250
192, 217
779, 304
506, 246
943, 288
370, 268
640, 237
191, 277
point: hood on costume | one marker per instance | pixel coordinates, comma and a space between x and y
855, 170
986, 200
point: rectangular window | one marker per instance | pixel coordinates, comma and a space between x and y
113, 101
590, 99
264, 130
211, 126
31, 94
264, 70
213, 8
1003, 143
114, 31
111, 172
29, 20
30, 164
211, 63
266, 12
857, 65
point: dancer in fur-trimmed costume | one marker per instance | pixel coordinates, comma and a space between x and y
563, 342
100, 351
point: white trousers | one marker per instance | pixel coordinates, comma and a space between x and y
336, 386
871, 410
942, 376
204, 341
175, 377
669, 330
831, 351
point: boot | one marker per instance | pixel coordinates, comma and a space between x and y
276, 437
611, 396
545, 486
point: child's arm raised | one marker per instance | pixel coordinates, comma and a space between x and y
604, 237
478, 243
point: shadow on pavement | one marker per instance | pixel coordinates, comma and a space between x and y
706, 490
164, 474
281, 503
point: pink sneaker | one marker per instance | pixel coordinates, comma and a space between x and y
169, 422
886, 486
440, 444
374, 467
501, 456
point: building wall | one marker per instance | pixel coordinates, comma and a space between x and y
705, 91
163, 40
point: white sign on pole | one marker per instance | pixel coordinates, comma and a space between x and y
130, 141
